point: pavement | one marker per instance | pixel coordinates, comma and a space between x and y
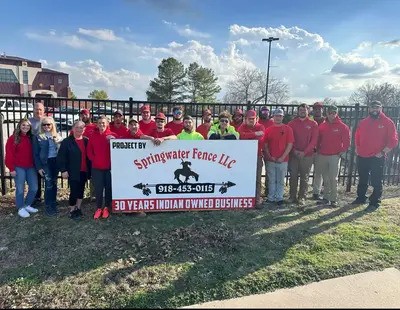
373, 289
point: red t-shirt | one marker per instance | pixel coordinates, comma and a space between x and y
147, 128
161, 134
266, 122
203, 129
82, 147
277, 139
137, 135
119, 131
176, 128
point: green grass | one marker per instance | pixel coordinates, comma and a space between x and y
178, 259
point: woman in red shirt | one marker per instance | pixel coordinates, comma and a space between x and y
19, 160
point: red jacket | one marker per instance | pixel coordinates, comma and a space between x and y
147, 128
89, 129
249, 133
266, 122
333, 138
19, 155
305, 135
203, 129
120, 131
98, 149
373, 135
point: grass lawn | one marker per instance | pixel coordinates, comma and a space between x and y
178, 259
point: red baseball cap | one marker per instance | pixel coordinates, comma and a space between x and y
318, 104
145, 108
85, 111
251, 113
160, 115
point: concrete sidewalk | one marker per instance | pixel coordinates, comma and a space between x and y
374, 289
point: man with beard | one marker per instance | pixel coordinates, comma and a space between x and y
305, 133
207, 122
176, 125
237, 119
376, 136
117, 126
317, 182
84, 116
252, 130
146, 124
264, 117
317, 112
188, 132
160, 133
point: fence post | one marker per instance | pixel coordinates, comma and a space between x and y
130, 107
353, 148
248, 105
2, 167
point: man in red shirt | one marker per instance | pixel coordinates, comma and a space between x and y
237, 119
305, 133
207, 122
252, 130
317, 181
375, 136
264, 118
278, 142
146, 124
317, 112
117, 125
333, 142
160, 133
134, 131
176, 125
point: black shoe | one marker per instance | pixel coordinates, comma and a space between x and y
79, 212
280, 202
372, 207
358, 201
316, 197
73, 215
323, 202
36, 203
333, 204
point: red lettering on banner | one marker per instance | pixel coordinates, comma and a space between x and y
181, 204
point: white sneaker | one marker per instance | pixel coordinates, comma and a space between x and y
31, 209
23, 213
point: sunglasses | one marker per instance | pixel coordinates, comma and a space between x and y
46, 125
178, 112
224, 120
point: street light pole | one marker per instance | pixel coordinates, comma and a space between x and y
270, 39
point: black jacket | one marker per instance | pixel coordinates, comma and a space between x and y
69, 158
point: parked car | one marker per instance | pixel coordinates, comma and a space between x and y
66, 116
12, 110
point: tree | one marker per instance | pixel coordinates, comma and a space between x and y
386, 93
249, 85
98, 94
201, 84
169, 85
72, 95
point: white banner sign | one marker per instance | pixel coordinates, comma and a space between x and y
181, 175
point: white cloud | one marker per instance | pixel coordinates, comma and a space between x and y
354, 65
391, 44
100, 34
186, 31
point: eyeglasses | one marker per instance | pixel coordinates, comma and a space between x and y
224, 120
45, 125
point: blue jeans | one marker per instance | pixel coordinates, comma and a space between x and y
50, 183
276, 180
30, 176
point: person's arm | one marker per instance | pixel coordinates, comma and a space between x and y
10, 155
345, 139
90, 150
314, 139
288, 148
36, 153
392, 138
62, 158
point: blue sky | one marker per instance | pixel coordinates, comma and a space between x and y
326, 48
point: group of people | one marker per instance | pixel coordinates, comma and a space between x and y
36, 150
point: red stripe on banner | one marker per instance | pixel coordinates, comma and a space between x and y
181, 204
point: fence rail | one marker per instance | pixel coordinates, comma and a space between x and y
66, 111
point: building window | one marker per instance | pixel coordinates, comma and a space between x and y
59, 81
25, 76
8, 76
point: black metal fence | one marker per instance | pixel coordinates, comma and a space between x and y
66, 111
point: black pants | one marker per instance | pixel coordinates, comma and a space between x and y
39, 191
77, 188
102, 182
370, 166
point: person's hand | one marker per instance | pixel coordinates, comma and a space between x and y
158, 141
41, 172
109, 137
259, 133
65, 175
379, 155
280, 160
273, 159
300, 154
13, 174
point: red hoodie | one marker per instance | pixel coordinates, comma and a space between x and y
19, 155
373, 135
249, 133
333, 138
129, 135
98, 149
266, 122
175, 127
147, 128
305, 135
120, 131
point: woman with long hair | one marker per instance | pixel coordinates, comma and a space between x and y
19, 160
45, 146
75, 166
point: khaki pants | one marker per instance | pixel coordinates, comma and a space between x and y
299, 167
317, 183
330, 165
258, 178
